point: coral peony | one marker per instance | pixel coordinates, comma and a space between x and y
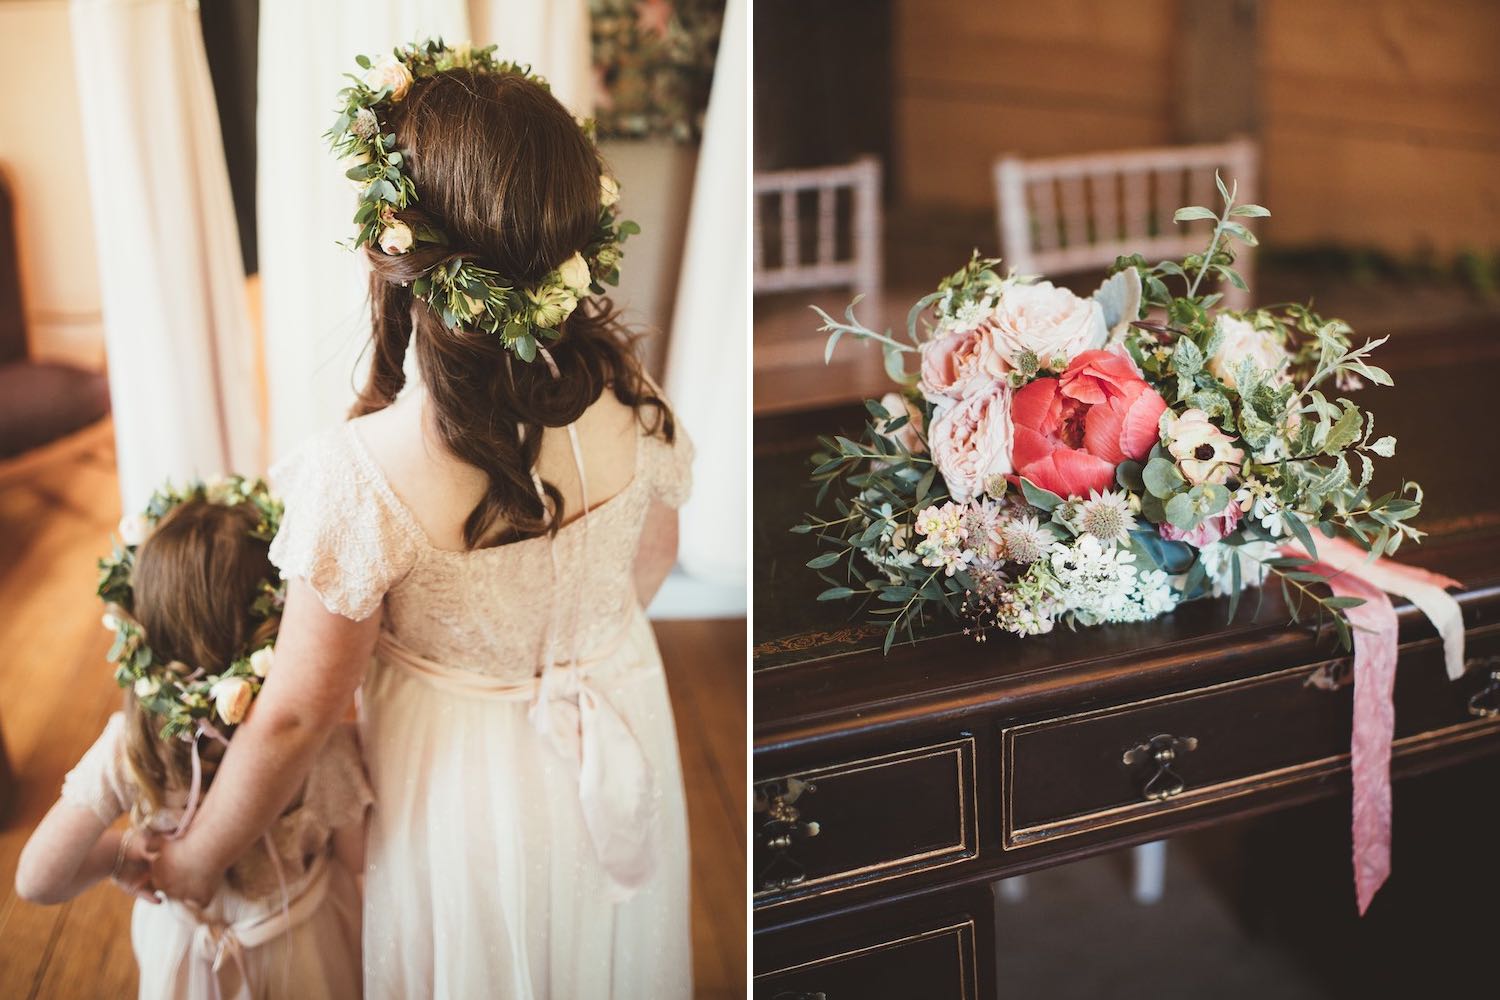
1071, 432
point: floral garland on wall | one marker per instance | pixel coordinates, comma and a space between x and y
1066, 459
653, 66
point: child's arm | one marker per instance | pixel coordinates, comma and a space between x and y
69, 851
73, 847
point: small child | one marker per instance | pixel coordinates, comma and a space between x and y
195, 606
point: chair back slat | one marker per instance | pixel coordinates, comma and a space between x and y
860, 268
791, 236
1078, 213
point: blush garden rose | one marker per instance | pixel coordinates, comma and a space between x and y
1049, 322
970, 441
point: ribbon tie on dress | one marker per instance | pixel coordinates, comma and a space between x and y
217, 942
569, 709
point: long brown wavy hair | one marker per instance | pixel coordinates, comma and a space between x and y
504, 170
194, 583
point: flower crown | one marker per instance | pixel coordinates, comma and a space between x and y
464, 293
187, 697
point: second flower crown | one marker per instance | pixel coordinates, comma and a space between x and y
464, 293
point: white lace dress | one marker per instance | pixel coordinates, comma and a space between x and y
250, 942
529, 836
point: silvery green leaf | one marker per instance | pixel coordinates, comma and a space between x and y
1300, 532
1192, 213
1212, 402
1250, 211
895, 365
1036, 496
833, 340
1345, 430
1128, 475
1384, 447
1187, 359
1180, 513
1161, 478
1120, 300
1212, 498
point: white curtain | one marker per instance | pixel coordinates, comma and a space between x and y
176, 329
553, 36
708, 356
314, 292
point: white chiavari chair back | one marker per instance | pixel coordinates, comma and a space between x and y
791, 261
1067, 214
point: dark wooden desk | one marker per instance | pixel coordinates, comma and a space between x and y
927, 774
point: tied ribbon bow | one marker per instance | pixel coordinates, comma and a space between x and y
213, 942
1351, 572
219, 936
569, 710
217, 942
616, 788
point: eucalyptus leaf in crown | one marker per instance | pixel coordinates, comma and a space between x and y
183, 696
464, 292
1103, 459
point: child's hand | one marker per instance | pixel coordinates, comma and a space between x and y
175, 874
133, 872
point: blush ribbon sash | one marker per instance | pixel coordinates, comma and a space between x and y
218, 944
570, 709
1352, 573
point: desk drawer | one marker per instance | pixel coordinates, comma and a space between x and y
936, 964
1125, 764
866, 820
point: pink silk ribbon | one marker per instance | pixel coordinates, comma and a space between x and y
1351, 572
217, 943
195, 793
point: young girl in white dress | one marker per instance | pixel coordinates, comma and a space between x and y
286, 920
477, 554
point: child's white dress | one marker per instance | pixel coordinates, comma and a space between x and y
529, 835
251, 942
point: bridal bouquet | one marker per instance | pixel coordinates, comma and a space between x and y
1087, 460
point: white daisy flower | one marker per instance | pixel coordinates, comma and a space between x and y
1025, 541
1106, 516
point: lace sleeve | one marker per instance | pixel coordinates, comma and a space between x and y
338, 790
343, 532
671, 467
97, 782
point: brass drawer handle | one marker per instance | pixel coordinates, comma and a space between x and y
780, 828
1485, 703
1162, 751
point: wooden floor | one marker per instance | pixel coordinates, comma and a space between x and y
57, 694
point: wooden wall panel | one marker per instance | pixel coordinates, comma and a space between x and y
974, 80
1382, 122
1380, 119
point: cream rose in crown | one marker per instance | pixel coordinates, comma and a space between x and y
1103, 458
